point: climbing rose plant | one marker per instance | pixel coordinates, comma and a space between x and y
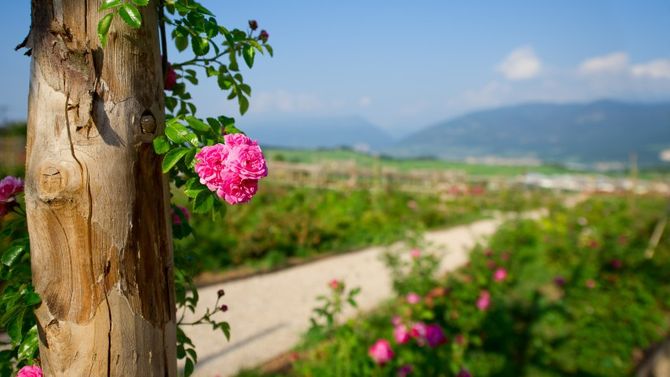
210, 160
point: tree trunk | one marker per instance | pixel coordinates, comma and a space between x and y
97, 202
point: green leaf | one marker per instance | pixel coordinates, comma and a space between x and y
181, 42
103, 28
14, 330
188, 368
161, 144
246, 89
244, 104
131, 15
178, 133
141, 3
270, 50
200, 46
203, 202
109, 4
172, 158
197, 124
12, 254
28, 347
248, 53
224, 82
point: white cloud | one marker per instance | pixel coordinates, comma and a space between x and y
616, 62
288, 102
520, 64
364, 101
655, 69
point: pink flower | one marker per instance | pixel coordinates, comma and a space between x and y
381, 352
464, 373
246, 157
236, 190
484, 300
396, 320
435, 335
401, 334
415, 253
500, 274
590, 283
211, 164
176, 211
9, 187
418, 331
30, 371
170, 78
334, 284
405, 370
413, 298
232, 170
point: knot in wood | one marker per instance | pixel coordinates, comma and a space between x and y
148, 123
57, 180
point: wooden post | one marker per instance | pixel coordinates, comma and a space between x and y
96, 200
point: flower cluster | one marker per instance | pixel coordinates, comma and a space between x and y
30, 371
9, 187
232, 170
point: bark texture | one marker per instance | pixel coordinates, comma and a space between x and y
97, 202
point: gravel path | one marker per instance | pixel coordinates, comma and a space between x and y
268, 313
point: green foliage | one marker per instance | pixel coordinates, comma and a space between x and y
303, 222
331, 306
580, 299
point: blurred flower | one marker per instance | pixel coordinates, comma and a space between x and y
500, 274
401, 334
170, 78
616, 264
559, 280
413, 298
590, 283
464, 373
264, 36
415, 253
488, 252
412, 204
582, 221
484, 300
435, 335
404, 370
381, 352
459, 339
491, 264
593, 244
9, 187
418, 331
30, 371
220, 293
504, 256
623, 240
176, 219
334, 284
253, 25
396, 320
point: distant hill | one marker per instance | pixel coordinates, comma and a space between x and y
603, 131
319, 133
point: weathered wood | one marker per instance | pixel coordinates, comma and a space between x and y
96, 200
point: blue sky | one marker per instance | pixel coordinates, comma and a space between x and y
406, 64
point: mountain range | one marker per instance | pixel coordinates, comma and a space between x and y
583, 133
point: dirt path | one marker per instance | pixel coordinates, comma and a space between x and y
269, 312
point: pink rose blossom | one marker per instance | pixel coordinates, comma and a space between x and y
211, 164
435, 335
415, 253
334, 284
9, 187
396, 320
233, 169
236, 190
381, 352
484, 300
418, 331
500, 274
405, 370
401, 334
30, 371
176, 219
413, 298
